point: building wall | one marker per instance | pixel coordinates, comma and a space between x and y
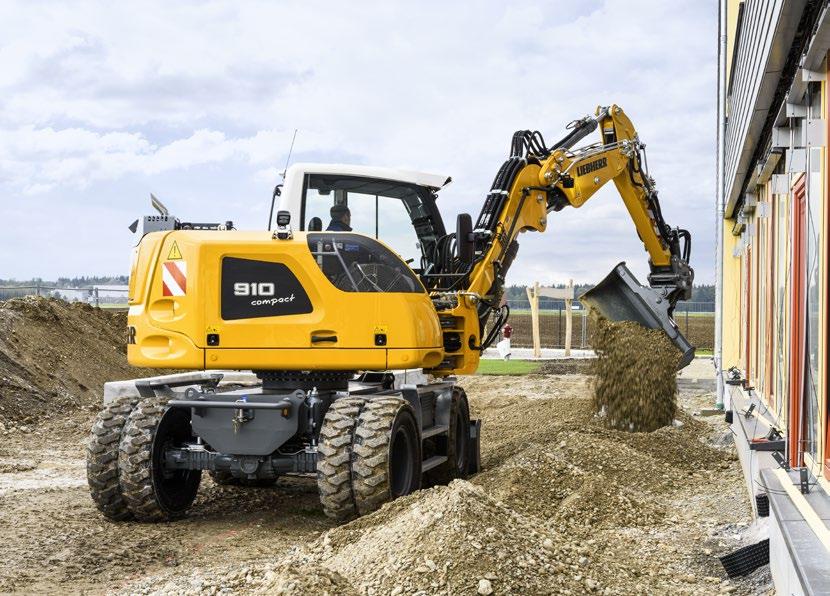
774, 259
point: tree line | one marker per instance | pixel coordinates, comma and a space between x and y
68, 282
517, 296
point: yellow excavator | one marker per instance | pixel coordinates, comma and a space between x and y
353, 351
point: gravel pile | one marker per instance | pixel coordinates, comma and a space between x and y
454, 538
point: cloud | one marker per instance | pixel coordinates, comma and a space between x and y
101, 99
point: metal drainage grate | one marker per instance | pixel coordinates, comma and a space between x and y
747, 559
762, 505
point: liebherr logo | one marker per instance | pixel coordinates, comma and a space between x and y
592, 166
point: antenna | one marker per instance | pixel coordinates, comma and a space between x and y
158, 205
277, 188
290, 151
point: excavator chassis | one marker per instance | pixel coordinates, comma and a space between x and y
376, 432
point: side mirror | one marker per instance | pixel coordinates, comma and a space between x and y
464, 241
277, 193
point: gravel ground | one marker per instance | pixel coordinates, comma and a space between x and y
563, 506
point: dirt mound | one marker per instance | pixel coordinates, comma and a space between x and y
55, 357
635, 382
449, 539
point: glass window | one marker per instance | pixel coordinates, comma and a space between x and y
813, 254
402, 215
781, 292
354, 263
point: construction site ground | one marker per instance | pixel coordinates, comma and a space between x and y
563, 505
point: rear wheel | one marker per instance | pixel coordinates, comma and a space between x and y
152, 492
102, 459
387, 453
334, 464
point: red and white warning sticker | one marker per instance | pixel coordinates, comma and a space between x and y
174, 278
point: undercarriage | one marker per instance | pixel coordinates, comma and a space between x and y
367, 438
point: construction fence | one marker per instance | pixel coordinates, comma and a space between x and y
696, 320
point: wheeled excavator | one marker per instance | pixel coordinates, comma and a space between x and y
352, 354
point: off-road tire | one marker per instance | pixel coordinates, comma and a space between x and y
455, 443
102, 472
149, 494
334, 458
377, 465
225, 478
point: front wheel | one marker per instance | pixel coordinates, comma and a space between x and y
386, 460
152, 491
455, 444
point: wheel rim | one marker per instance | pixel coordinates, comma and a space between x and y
175, 489
402, 461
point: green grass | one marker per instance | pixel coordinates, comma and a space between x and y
506, 367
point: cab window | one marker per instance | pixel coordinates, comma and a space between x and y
354, 263
387, 210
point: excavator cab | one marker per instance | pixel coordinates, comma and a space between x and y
620, 297
397, 207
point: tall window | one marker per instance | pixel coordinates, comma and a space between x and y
814, 351
813, 258
782, 245
760, 345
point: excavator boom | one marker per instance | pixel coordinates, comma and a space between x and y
537, 180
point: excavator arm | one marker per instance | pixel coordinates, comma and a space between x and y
537, 180
576, 175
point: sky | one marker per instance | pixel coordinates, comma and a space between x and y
103, 103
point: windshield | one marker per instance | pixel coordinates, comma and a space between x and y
403, 215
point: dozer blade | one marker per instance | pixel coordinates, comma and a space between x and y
620, 297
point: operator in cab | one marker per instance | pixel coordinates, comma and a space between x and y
341, 217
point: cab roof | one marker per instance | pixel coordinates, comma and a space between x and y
434, 181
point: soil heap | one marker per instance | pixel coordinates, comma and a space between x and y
635, 382
55, 357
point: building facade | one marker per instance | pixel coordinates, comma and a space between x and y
773, 194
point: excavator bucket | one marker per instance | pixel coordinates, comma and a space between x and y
620, 297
